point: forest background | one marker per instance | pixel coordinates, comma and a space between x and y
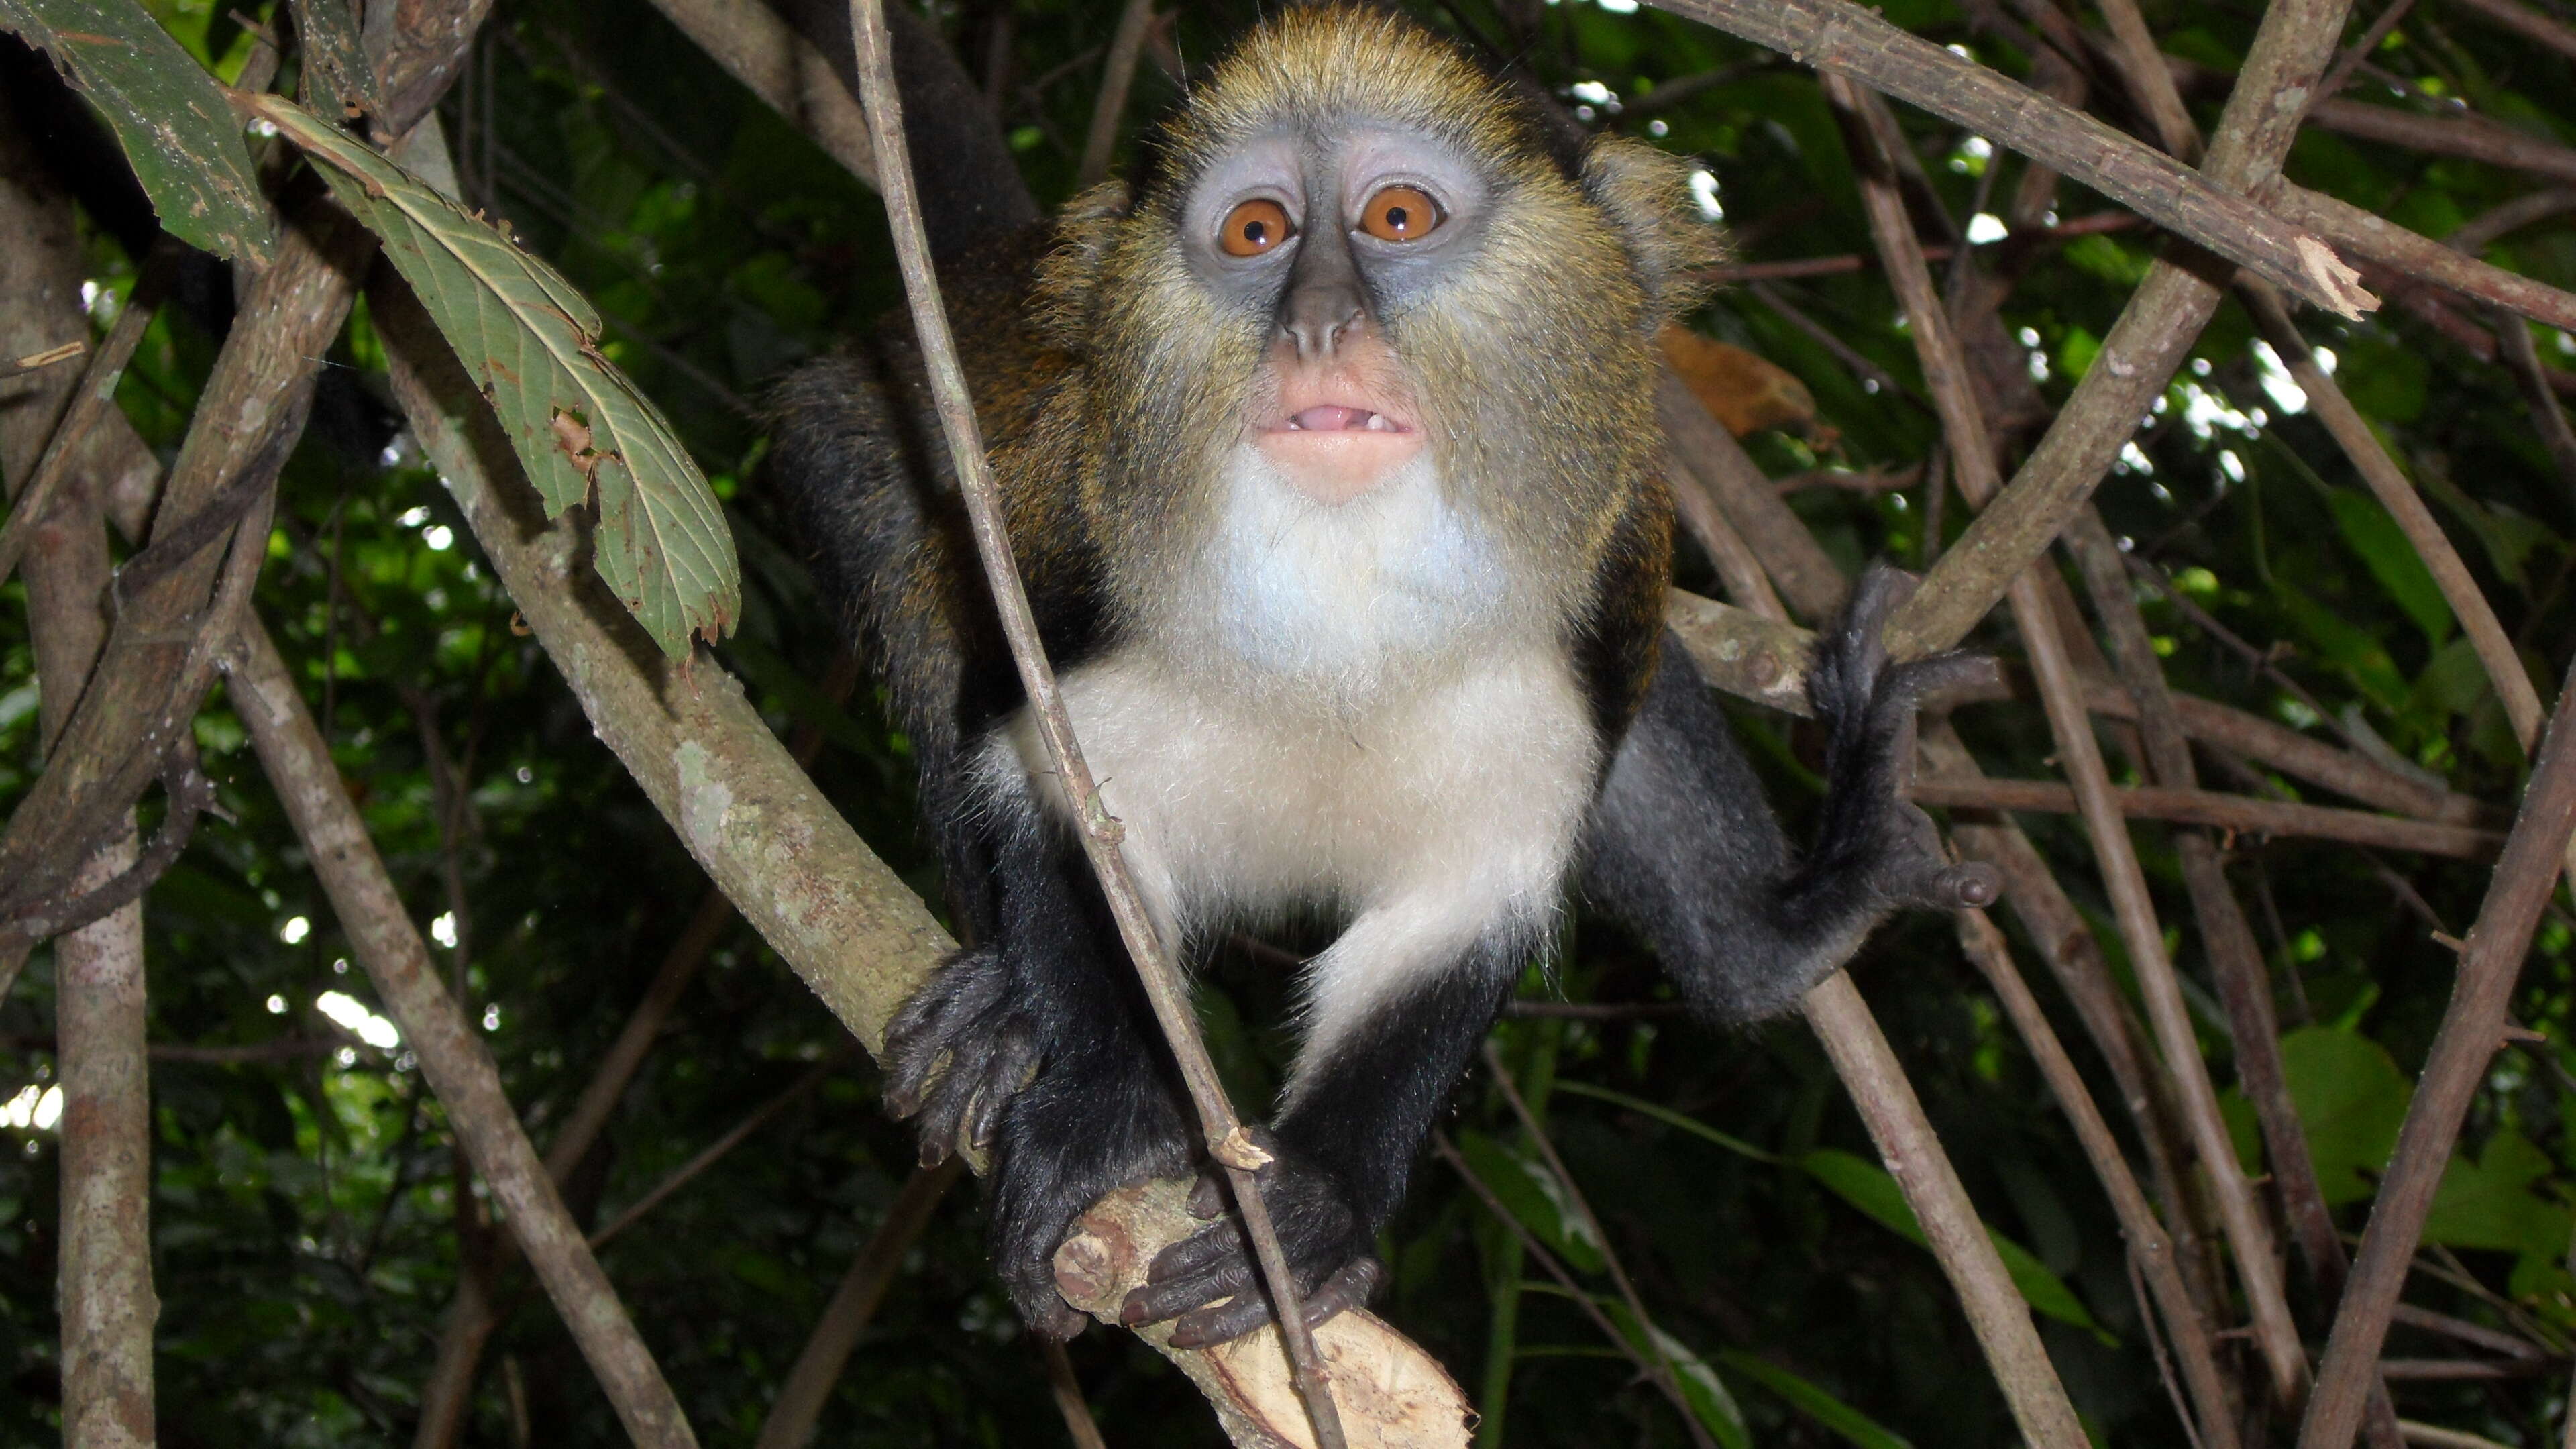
1636, 1231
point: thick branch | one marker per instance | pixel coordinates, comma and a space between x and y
1843, 38
784, 69
452, 1056
2473, 1027
2393, 246
106, 1293
2138, 358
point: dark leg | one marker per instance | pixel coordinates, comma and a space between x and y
1036, 1043
1355, 1120
1685, 850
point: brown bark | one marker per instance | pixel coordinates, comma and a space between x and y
452, 1056
106, 1294
2138, 357
2472, 1030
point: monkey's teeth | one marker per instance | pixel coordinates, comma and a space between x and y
1377, 423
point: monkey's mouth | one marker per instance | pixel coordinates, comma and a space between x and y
1335, 418
1334, 452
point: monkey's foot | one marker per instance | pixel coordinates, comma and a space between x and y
1867, 702
957, 1053
1212, 1281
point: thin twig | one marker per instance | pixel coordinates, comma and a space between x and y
1556, 1269
89, 401
2151, 1252
2360, 50
714, 1152
2224, 811
2487, 227
452, 1055
1660, 1366
1842, 38
2370, 458
1118, 75
1067, 1392
1737, 567
1227, 1140
1861, 367
2226, 939
1945, 372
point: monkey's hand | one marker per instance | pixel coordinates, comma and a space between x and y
1320, 1234
957, 1053
1869, 836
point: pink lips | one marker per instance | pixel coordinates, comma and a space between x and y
1334, 418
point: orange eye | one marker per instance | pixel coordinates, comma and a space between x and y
1254, 227
1400, 214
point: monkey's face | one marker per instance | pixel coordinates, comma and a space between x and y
1355, 269
1328, 237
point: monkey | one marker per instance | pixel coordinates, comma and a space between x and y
1327, 448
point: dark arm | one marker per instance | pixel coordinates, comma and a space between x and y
1685, 851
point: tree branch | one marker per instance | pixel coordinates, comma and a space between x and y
1227, 1140
808, 1386
2148, 1245
1843, 38
1946, 375
2472, 1029
453, 1059
2162, 320
108, 1305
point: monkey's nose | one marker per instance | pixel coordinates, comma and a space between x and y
1318, 318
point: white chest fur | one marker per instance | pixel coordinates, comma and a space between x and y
1407, 746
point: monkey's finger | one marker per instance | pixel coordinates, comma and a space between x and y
1958, 887
1351, 1286
1218, 1242
914, 1074
1232, 1319
1208, 1196
1934, 674
1014, 1064
1057, 1319
1348, 1288
1167, 1296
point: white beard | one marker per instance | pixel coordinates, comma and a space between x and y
1338, 601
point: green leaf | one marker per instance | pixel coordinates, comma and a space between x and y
1535, 1197
2489, 1203
179, 133
2348, 646
2351, 1099
2507, 536
1814, 1402
578, 425
2393, 561
1870, 1188
1702, 1389
327, 32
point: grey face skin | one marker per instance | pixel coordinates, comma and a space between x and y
1329, 272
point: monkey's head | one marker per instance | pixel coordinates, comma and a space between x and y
1352, 254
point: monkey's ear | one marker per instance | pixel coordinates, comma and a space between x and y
1068, 275
1647, 194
